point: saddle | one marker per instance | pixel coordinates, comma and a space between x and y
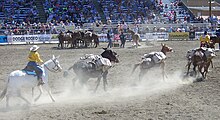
156, 57
30, 70
95, 62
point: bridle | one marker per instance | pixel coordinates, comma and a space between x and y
55, 69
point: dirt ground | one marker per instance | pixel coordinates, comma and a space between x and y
126, 98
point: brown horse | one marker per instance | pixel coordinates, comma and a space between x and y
201, 57
90, 38
135, 37
153, 59
63, 38
77, 37
204, 67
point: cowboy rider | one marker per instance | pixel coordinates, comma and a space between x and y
205, 40
34, 61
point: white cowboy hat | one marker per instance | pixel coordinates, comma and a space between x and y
34, 48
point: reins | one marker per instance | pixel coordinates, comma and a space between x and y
53, 69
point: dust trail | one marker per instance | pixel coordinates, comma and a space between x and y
152, 84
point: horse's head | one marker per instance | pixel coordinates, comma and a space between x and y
53, 64
166, 48
111, 55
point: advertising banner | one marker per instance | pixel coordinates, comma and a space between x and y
179, 36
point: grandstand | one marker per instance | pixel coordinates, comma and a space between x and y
42, 16
201, 8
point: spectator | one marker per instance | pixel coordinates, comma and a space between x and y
123, 40
109, 40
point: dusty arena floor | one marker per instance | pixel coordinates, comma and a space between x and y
126, 99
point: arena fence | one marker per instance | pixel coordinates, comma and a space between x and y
53, 38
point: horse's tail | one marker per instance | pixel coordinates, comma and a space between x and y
66, 73
135, 66
4, 92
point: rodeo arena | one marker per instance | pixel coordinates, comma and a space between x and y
109, 59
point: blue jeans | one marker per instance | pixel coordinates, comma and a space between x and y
37, 68
109, 43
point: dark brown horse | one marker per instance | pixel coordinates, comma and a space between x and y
65, 38
153, 59
69, 37
91, 38
201, 58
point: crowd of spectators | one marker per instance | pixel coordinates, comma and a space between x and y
77, 11
23, 14
18, 11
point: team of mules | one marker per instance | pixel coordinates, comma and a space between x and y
77, 39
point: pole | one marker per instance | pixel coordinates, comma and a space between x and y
210, 8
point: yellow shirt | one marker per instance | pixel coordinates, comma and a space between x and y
34, 56
205, 39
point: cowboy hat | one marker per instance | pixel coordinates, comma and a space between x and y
34, 48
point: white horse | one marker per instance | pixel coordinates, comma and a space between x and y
19, 78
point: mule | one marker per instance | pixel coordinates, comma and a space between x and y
85, 69
62, 37
153, 59
201, 58
20, 78
90, 38
135, 37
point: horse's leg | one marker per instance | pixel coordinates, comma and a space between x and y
20, 96
141, 74
98, 82
194, 68
47, 88
32, 94
211, 63
7, 100
163, 70
105, 80
41, 91
188, 67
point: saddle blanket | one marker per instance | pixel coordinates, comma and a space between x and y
30, 72
97, 59
157, 57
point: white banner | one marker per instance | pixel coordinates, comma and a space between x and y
28, 38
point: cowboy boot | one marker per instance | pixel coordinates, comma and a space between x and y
40, 81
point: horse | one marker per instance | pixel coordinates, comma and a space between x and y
21, 78
214, 39
68, 37
203, 68
94, 66
201, 57
153, 59
77, 36
90, 37
135, 37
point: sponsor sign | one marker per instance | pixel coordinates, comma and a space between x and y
29, 38
178, 36
102, 37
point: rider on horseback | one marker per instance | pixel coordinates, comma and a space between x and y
34, 59
205, 40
